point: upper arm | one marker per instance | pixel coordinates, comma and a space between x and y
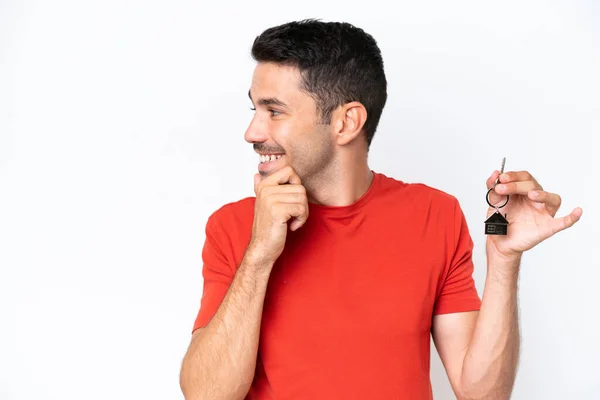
218, 271
451, 335
457, 302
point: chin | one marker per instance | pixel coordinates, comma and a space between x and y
271, 167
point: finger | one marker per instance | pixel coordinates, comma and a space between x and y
283, 189
492, 179
279, 177
298, 222
287, 198
493, 197
552, 201
520, 187
296, 213
283, 176
559, 224
301, 219
517, 176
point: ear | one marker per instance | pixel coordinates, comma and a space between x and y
348, 121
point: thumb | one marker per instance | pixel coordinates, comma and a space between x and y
559, 224
490, 181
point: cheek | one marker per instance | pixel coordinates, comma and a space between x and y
289, 135
301, 140
313, 147
288, 130
284, 131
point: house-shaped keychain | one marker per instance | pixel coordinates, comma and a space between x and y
496, 224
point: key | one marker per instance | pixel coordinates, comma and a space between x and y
501, 172
496, 224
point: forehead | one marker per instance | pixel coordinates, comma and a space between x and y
274, 80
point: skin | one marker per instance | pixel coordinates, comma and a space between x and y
331, 160
221, 359
480, 349
327, 164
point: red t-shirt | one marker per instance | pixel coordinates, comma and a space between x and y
350, 301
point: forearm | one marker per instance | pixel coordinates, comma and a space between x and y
221, 363
490, 363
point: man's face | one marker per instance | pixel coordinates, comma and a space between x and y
286, 124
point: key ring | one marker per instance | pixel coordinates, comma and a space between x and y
496, 224
487, 198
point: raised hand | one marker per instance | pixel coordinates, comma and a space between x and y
280, 197
530, 212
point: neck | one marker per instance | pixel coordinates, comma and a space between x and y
341, 184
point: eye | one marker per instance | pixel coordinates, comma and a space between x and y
252, 109
274, 113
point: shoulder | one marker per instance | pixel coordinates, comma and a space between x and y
229, 229
421, 205
416, 193
233, 214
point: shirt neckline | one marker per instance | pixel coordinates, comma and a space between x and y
348, 210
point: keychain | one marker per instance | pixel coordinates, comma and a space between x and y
496, 224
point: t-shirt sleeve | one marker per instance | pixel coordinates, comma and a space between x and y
217, 271
458, 292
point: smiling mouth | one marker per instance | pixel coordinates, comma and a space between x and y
267, 158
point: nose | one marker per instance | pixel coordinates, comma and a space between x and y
256, 132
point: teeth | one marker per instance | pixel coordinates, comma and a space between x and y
269, 158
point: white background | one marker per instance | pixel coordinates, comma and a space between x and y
121, 130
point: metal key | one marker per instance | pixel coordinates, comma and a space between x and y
501, 172
496, 224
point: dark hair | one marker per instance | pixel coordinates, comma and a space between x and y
338, 62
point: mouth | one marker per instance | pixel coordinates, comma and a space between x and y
268, 162
267, 158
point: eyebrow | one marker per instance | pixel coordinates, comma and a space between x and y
269, 101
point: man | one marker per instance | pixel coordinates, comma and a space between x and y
328, 283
